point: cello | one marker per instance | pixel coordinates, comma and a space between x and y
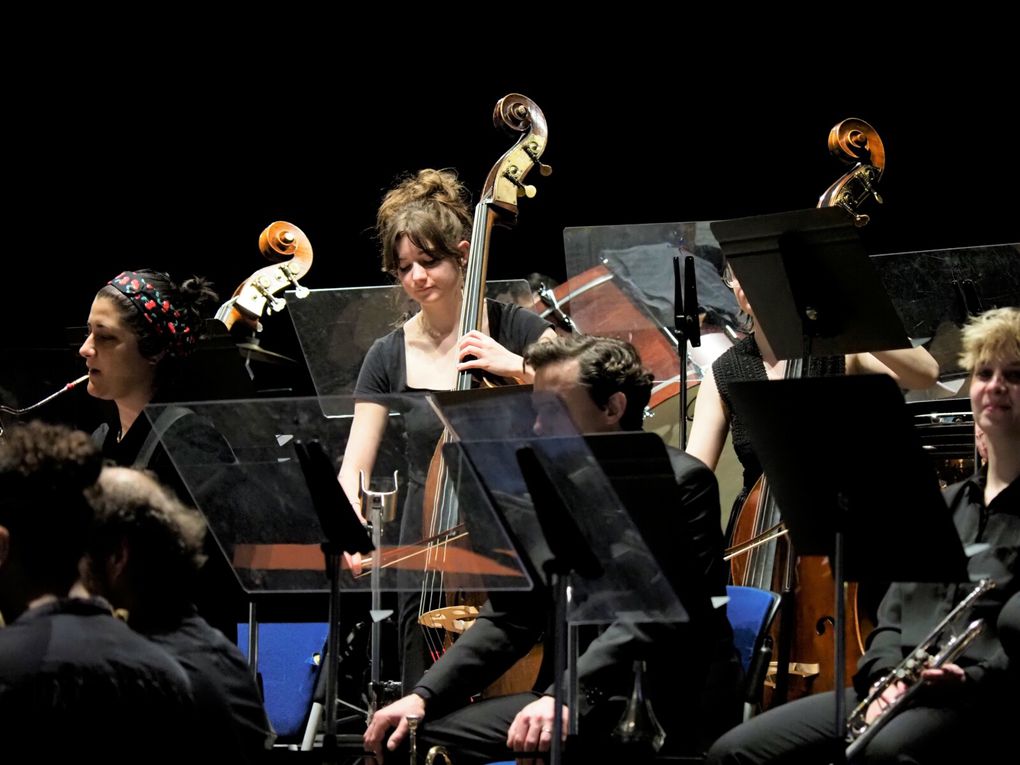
760, 555
504, 186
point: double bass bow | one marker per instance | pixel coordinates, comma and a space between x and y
497, 205
759, 555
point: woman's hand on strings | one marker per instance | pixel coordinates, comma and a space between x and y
479, 351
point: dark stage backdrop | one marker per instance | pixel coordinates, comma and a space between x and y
184, 172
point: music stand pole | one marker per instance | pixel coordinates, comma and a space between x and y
380, 507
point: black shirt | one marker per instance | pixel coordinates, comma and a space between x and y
73, 679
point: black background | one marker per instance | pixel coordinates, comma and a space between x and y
177, 157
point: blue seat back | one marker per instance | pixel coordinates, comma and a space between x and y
750, 612
289, 668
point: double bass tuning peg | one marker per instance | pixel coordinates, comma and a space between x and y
532, 151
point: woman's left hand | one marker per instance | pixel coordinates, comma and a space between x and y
488, 355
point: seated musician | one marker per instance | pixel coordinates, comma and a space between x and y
693, 671
143, 556
75, 683
424, 226
963, 702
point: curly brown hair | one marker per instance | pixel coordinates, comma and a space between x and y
432, 208
44, 471
164, 535
605, 366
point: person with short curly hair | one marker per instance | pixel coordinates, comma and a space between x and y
144, 554
74, 680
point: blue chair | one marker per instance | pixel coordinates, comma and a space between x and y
751, 612
288, 663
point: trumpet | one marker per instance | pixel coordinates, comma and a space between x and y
943, 645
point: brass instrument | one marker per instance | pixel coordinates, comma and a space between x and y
438, 751
943, 645
638, 730
413, 721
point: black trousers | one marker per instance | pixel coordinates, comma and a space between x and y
802, 731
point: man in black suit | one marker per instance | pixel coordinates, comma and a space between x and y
693, 672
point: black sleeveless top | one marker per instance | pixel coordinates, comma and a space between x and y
743, 362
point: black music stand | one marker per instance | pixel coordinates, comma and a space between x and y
855, 492
813, 288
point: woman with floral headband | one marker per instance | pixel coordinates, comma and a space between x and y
141, 326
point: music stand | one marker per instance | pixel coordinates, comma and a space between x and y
267, 522
813, 288
563, 515
817, 463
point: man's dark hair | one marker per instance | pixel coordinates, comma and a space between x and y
605, 365
44, 471
165, 536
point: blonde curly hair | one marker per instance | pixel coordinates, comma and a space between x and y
991, 336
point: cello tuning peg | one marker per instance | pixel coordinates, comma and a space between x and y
544, 169
527, 190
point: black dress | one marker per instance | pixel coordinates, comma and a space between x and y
384, 372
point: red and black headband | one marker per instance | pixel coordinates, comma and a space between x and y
167, 322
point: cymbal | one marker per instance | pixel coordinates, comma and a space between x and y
258, 353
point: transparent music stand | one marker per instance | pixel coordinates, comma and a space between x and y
336, 327
261, 514
565, 517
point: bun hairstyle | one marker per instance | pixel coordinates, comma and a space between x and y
432, 208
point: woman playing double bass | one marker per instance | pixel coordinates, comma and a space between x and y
424, 226
807, 603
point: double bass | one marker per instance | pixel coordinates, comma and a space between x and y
760, 554
289, 248
450, 613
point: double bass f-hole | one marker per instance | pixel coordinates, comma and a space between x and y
286, 244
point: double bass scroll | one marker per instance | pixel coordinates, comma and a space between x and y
855, 142
286, 244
